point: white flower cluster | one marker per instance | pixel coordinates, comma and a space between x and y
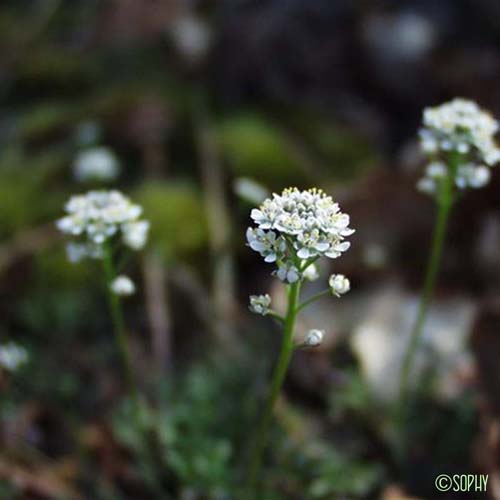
96, 164
98, 216
122, 285
12, 356
459, 127
298, 226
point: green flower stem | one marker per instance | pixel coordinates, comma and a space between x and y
146, 458
118, 326
279, 374
314, 298
277, 316
445, 203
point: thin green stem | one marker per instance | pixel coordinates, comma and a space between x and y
146, 460
277, 316
314, 298
118, 325
445, 203
279, 374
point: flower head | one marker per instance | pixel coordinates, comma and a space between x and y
339, 284
12, 356
461, 128
99, 216
259, 304
297, 226
122, 285
314, 338
96, 164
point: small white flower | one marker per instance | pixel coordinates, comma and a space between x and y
12, 356
259, 304
135, 234
436, 170
77, 252
311, 273
96, 164
250, 190
480, 177
123, 285
427, 185
288, 273
339, 284
267, 243
191, 36
314, 338
473, 176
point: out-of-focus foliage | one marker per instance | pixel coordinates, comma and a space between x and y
257, 149
23, 178
176, 212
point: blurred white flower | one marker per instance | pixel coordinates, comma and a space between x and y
12, 356
122, 285
474, 176
135, 234
250, 190
259, 304
339, 284
459, 126
314, 338
96, 164
96, 217
427, 185
311, 272
77, 252
436, 170
191, 36
375, 255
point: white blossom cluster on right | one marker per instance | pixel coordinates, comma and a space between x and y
97, 217
459, 128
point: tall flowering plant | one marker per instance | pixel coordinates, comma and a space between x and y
458, 138
101, 224
104, 226
292, 231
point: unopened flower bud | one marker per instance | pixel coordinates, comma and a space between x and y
314, 338
339, 284
259, 304
123, 285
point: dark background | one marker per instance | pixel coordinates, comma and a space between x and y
192, 97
